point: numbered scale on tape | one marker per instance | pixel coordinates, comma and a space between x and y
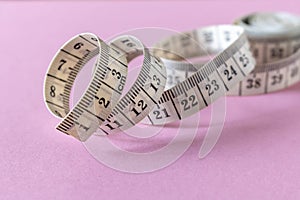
169, 86
144, 93
274, 40
99, 98
193, 87
100, 105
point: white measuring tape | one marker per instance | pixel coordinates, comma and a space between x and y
196, 88
100, 103
274, 39
190, 87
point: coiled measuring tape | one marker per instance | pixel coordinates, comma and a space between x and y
274, 40
100, 103
100, 107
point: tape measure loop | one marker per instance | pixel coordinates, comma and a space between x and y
99, 98
171, 85
275, 40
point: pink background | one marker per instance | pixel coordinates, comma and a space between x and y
257, 156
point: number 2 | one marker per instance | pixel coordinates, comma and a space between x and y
103, 101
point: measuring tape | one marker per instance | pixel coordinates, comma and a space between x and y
100, 103
84, 118
100, 107
197, 87
274, 39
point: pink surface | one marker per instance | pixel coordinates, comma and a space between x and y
257, 156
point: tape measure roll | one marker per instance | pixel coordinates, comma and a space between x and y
100, 103
195, 90
84, 118
274, 40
